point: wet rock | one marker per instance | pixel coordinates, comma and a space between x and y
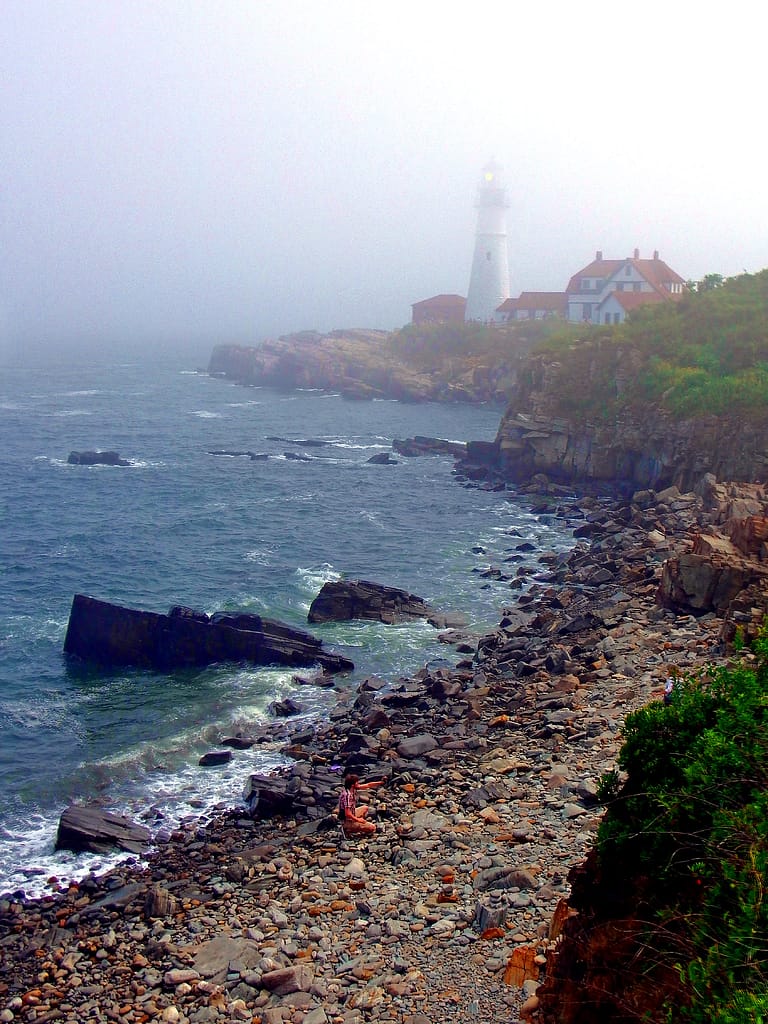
340, 600
90, 828
112, 635
215, 757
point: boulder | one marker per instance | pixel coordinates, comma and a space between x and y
96, 459
91, 828
341, 600
382, 459
238, 742
415, 746
285, 708
215, 757
268, 795
109, 634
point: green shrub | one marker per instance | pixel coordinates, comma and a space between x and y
691, 816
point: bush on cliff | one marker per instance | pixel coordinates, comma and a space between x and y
706, 354
686, 835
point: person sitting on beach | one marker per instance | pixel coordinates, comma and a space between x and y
353, 820
671, 682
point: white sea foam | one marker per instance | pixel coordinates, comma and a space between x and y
359, 447
310, 579
260, 556
206, 414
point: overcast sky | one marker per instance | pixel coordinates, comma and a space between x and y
181, 173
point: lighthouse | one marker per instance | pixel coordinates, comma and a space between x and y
489, 281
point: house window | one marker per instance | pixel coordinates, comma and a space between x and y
586, 311
607, 318
636, 287
585, 284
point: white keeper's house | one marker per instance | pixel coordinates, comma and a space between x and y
606, 290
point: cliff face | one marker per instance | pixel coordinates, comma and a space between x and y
364, 364
554, 426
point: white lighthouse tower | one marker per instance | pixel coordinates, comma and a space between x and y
489, 281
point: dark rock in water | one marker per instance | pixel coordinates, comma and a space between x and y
90, 828
180, 611
304, 442
238, 742
340, 600
414, 446
295, 457
215, 757
253, 456
382, 459
96, 459
111, 635
284, 708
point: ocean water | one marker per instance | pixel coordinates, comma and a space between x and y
183, 526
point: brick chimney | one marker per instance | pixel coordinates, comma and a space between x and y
637, 254
599, 255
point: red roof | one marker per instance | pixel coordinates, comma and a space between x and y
631, 300
554, 301
442, 300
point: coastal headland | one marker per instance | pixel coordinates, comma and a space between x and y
457, 906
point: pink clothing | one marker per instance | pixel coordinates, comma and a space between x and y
347, 802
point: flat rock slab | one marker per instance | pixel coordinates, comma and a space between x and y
90, 828
109, 634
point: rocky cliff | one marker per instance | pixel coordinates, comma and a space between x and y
568, 421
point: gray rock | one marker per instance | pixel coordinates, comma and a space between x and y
415, 746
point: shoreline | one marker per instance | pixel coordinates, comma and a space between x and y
447, 911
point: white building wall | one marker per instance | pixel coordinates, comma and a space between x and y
612, 310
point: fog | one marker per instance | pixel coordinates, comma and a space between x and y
178, 174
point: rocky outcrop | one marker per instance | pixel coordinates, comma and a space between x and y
725, 570
341, 600
91, 828
366, 364
112, 635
